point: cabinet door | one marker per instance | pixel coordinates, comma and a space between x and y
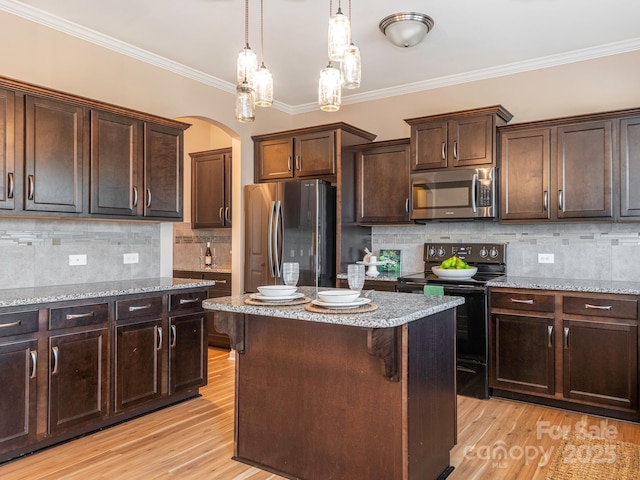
54, 155
524, 170
601, 362
630, 167
585, 160
18, 398
429, 146
8, 185
315, 154
384, 186
522, 354
116, 164
138, 363
208, 190
274, 159
471, 141
188, 352
162, 171
78, 385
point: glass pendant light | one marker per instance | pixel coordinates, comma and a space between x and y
245, 102
263, 80
339, 34
330, 89
351, 65
247, 60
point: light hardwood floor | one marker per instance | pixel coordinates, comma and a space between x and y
194, 440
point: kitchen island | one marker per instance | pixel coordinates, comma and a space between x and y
345, 395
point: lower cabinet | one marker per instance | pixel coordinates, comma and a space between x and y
576, 350
188, 348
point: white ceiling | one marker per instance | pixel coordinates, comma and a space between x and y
471, 39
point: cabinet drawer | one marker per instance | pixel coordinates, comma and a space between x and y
188, 274
182, 302
601, 307
531, 302
78, 315
222, 288
18, 323
140, 307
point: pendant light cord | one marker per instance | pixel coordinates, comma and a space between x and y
262, 32
246, 24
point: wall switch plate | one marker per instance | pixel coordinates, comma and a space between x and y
77, 260
545, 258
130, 258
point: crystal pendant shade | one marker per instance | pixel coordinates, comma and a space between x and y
330, 89
339, 35
263, 86
351, 67
245, 102
247, 65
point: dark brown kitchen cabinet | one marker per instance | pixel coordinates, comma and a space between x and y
383, 186
116, 165
458, 139
630, 168
162, 171
56, 137
188, 352
577, 350
211, 188
78, 381
8, 177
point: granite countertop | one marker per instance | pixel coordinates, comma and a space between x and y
564, 284
200, 268
58, 293
393, 309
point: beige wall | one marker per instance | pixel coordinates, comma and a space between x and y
33, 53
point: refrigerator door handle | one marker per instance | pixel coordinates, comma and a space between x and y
270, 239
279, 237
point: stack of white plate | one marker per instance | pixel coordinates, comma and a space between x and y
340, 298
277, 293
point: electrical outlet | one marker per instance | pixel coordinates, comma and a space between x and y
77, 260
545, 258
130, 258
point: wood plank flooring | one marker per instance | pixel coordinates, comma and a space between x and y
194, 440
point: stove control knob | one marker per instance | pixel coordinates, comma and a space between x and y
432, 251
441, 252
493, 252
484, 252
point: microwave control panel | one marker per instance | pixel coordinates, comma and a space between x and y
485, 195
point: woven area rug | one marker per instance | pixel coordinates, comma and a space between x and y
582, 457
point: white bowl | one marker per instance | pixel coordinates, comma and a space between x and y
340, 295
454, 272
277, 290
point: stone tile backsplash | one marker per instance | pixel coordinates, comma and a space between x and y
593, 251
189, 245
35, 252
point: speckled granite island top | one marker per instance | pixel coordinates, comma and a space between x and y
58, 293
393, 309
570, 285
200, 268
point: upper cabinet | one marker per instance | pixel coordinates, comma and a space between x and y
305, 153
565, 169
382, 182
459, 139
69, 155
211, 188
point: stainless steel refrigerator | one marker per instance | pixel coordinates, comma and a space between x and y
290, 222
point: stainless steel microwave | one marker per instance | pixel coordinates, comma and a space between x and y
468, 193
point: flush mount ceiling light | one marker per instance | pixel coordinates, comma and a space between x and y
406, 29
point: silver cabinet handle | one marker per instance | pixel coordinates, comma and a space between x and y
10, 191
561, 200
148, 197
444, 150
220, 214
566, 338
406, 205
34, 363
528, 302
135, 196
455, 149
220, 281
174, 336
549, 335
74, 316
135, 308
289, 163
159, 331
545, 200
598, 307
227, 214
12, 324
184, 301
298, 163
31, 187
54, 351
